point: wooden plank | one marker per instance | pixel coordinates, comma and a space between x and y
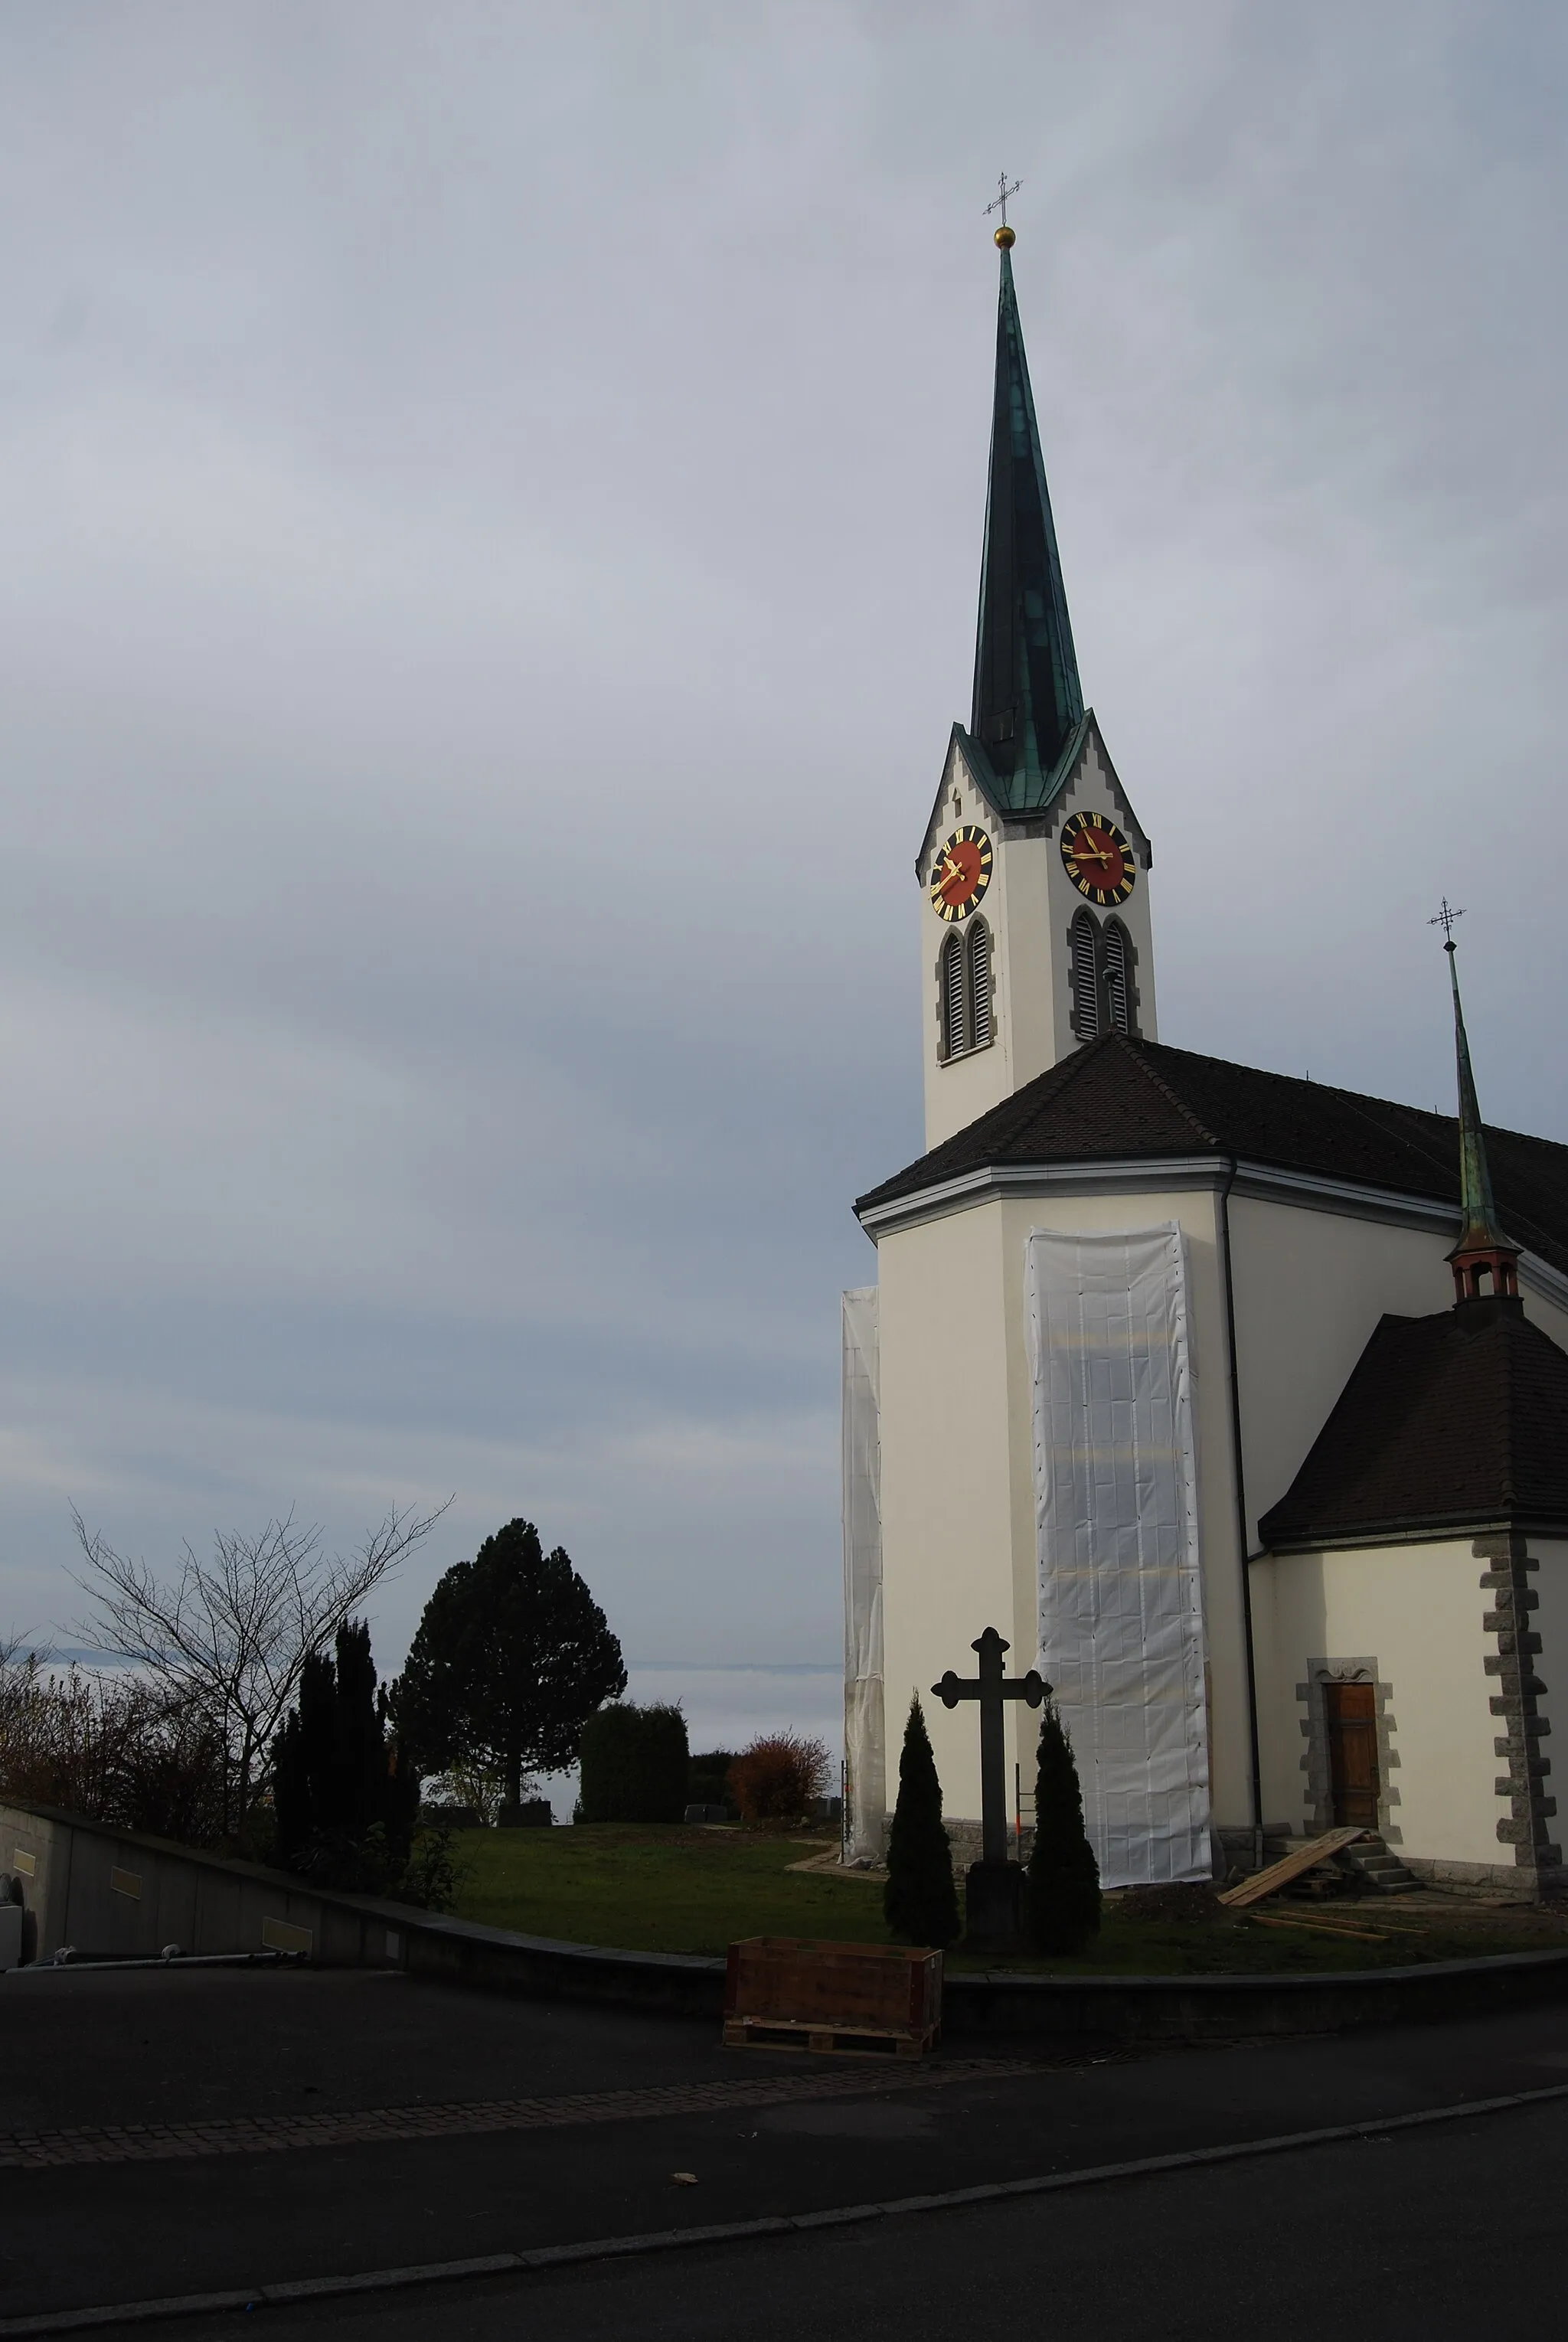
1280, 1874
1318, 1928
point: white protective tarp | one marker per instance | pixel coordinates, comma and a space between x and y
1116, 1525
865, 1770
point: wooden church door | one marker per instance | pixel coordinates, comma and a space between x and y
1352, 1751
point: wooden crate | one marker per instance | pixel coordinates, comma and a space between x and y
787, 1992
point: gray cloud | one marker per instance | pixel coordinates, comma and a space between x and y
493, 502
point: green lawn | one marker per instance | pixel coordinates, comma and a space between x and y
651, 1888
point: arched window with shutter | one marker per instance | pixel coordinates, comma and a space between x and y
953, 971
1117, 945
981, 1022
1087, 1017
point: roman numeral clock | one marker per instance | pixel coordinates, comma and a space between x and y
961, 873
1099, 858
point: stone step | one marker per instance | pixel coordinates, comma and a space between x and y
1383, 1872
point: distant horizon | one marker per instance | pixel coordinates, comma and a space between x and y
645, 1666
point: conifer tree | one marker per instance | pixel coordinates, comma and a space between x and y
920, 1901
336, 1774
512, 1657
1061, 1897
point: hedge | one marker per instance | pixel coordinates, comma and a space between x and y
635, 1764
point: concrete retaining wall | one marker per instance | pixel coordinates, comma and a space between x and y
113, 1892
116, 1892
1254, 2008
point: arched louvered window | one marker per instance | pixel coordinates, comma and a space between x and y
980, 1018
1105, 997
1086, 1004
952, 979
1118, 961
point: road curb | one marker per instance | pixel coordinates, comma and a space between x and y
664, 2240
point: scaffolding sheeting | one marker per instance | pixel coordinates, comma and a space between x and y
865, 1766
1116, 1527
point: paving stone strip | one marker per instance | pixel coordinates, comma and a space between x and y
363, 2127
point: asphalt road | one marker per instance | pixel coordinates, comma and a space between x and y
1456, 2227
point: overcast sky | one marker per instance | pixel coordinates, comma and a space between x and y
491, 501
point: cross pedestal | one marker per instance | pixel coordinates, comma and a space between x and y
993, 1887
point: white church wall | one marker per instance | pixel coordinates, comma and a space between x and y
1310, 1287
958, 1469
946, 1479
1414, 1612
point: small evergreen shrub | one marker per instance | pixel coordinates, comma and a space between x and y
635, 1764
1061, 1896
920, 1901
776, 1775
433, 1875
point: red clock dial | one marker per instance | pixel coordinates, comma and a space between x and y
960, 873
1099, 858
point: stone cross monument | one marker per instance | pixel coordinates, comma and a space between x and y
993, 1885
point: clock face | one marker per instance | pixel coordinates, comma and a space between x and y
960, 873
1099, 858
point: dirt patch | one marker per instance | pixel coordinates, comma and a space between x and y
1190, 1899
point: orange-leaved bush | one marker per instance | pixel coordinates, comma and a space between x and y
776, 1775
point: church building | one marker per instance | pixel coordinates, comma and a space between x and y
1238, 1403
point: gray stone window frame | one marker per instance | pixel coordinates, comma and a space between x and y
959, 942
1092, 1017
1318, 1792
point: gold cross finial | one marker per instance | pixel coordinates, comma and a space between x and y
1446, 919
1005, 235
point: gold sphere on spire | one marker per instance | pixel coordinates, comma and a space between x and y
1005, 239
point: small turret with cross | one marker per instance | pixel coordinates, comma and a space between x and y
1486, 1264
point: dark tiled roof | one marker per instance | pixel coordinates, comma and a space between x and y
1117, 1099
1447, 1423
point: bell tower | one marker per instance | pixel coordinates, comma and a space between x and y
1035, 935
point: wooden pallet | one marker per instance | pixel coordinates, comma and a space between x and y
826, 2040
1280, 1874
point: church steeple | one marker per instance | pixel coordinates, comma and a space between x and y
1483, 1247
1028, 701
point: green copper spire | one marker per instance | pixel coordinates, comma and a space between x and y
1482, 1244
1027, 698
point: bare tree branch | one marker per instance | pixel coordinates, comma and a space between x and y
230, 1637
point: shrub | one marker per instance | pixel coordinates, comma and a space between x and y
708, 1777
776, 1775
433, 1877
118, 1751
635, 1764
476, 1789
920, 1901
1062, 1896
